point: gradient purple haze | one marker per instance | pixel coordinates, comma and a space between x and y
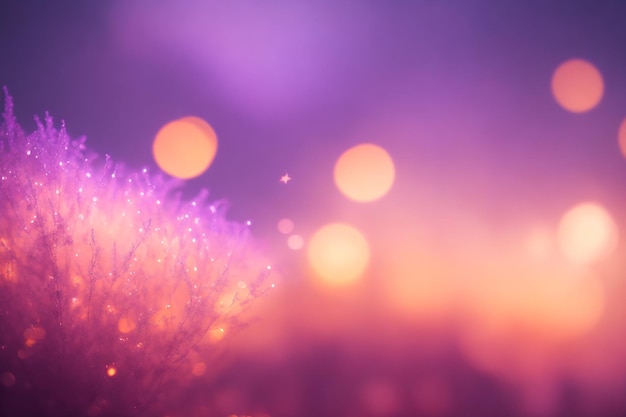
457, 92
467, 78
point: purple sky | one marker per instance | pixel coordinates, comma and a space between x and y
457, 92
289, 87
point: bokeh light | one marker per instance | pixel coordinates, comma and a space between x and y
577, 85
379, 398
587, 233
364, 172
33, 335
7, 379
215, 334
521, 317
478, 285
338, 253
295, 242
126, 325
285, 226
621, 136
185, 148
432, 397
198, 369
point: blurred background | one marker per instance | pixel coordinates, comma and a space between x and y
439, 183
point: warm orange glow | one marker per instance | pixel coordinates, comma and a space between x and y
295, 242
577, 85
172, 307
364, 172
126, 325
621, 136
8, 272
215, 334
338, 253
185, 147
432, 396
111, 371
418, 285
587, 233
546, 303
519, 313
229, 301
33, 335
285, 226
379, 398
198, 369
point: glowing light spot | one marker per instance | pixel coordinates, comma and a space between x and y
215, 334
126, 325
621, 135
577, 85
587, 233
285, 226
295, 242
7, 379
185, 148
285, 179
338, 253
8, 272
33, 335
364, 173
198, 369
111, 371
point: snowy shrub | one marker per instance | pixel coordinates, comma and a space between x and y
113, 292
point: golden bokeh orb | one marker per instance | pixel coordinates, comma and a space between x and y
577, 85
185, 148
338, 254
587, 233
126, 325
364, 172
198, 369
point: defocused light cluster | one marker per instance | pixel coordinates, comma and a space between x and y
337, 252
185, 148
577, 85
